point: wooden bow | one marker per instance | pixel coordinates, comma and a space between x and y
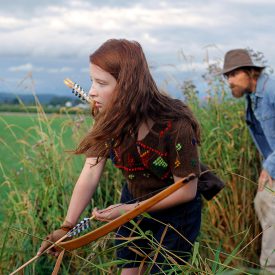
110, 226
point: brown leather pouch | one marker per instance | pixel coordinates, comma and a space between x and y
209, 184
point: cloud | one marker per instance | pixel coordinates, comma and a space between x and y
75, 28
78, 26
8, 23
60, 30
28, 67
60, 70
251, 2
197, 67
52, 37
25, 68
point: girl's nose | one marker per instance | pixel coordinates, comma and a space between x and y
92, 92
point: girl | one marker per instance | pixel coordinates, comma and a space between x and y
153, 139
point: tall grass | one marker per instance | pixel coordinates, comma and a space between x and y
229, 219
38, 196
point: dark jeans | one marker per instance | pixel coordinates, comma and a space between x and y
184, 221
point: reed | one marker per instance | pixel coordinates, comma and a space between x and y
37, 198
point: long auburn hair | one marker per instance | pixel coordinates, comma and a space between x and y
136, 99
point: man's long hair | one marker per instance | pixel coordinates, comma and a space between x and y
135, 100
253, 72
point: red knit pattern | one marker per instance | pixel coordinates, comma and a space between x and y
130, 169
151, 149
169, 126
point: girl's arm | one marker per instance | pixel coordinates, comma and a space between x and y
182, 195
84, 189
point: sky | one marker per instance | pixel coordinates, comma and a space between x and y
43, 42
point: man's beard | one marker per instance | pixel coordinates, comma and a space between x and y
240, 90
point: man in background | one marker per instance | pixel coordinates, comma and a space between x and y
247, 79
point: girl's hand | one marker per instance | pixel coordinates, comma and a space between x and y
52, 238
112, 212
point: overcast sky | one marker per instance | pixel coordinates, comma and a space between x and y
53, 39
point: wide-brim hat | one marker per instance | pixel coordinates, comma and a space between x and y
237, 58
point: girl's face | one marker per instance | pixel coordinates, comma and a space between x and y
103, 86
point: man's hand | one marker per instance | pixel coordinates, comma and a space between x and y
264, 179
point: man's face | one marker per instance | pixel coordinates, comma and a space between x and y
239, 82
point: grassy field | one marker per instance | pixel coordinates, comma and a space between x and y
22, 132
38, 177
21, 128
